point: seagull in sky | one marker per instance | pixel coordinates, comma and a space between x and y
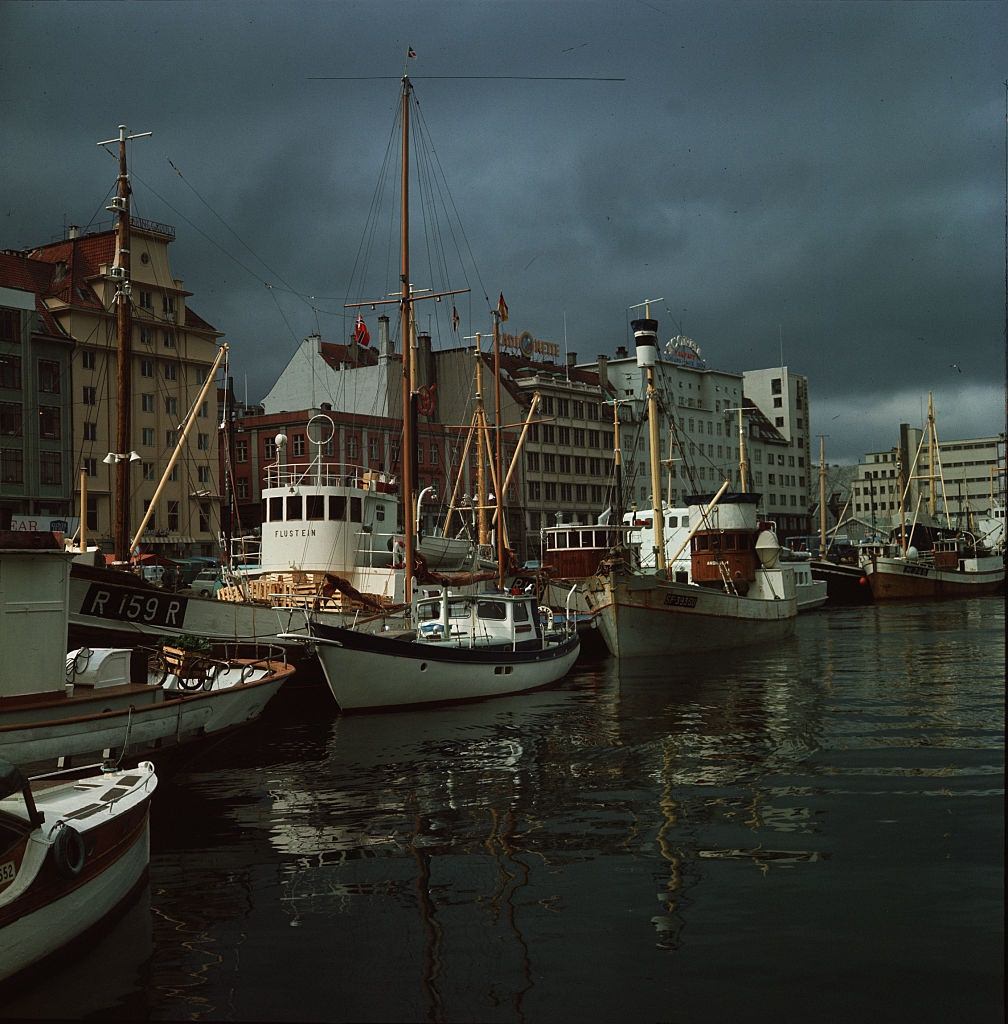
956, 366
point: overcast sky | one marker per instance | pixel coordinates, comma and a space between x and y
821, 180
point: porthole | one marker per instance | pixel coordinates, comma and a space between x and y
423, 666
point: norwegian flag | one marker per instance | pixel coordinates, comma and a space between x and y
411, 52
360, 333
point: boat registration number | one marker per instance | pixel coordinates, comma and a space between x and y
914, 570
680, 601
7, 872
131, 606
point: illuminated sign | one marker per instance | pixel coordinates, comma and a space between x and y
685, 351
528, 346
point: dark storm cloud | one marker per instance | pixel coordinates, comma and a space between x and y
822, 180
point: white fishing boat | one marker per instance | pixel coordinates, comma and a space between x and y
71, 850
739, 593
463, 647
99, 702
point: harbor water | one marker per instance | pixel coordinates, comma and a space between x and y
813, 830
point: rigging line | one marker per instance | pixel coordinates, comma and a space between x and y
465, 237
433, 186
478, 78
228, 226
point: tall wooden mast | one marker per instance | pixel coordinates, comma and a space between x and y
405, 316
499, 469
932, 457
822, 495
124, 358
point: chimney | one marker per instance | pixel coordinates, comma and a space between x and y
571, 360
426, 357
603, 372
315, 339
73, 231
384, 344
621, 352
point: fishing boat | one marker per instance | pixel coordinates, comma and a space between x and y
949, 563
59, 708
463, 647
73, 847
454, 646
738, 595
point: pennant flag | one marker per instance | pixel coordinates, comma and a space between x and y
502, 310
411, 52
455, 320
360, 334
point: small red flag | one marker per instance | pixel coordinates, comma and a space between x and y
502, 310
455, 320
360, 334
411, 52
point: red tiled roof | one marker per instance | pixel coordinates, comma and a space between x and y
35, 276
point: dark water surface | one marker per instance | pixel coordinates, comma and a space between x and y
811, 831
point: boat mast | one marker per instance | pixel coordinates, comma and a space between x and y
498, 467
479, 422
743, 466
124, 359
408, 444
901, 484
822, 495
932, 494
646, 341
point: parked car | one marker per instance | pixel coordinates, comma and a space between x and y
207, 583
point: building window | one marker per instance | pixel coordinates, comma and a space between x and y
92, 512
352, 447
242, 486
50, 468
173, 516
298, 444
241, 451
534, 490
203, 474
778, 402
203, 442
778, 421
10, 326
10, 419
169, 339
173, 475
147, 437
11, 466
201, 374
550, 489
90, 396
269, 449
775, 386
146, 367
10, 372
91, 467
146, 403
170, 371
168, 304
146, 299
87, 360
171, 405
433, 454
169, 438
49, 422
146, 335
49, 377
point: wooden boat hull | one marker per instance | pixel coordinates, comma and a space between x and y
429, 673
42, 914
129, 720
897, 579
643, 616
845, 584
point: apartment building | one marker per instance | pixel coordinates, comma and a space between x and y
173, 349
36, 449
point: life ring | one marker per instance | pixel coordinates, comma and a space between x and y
68, 851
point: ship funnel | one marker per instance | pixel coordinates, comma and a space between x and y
646, 340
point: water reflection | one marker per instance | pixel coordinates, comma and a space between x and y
656, 819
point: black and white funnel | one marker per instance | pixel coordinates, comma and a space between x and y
646, 340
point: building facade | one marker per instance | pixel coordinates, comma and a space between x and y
36, 441
173, 349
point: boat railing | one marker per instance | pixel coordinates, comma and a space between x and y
571, 536
328, 474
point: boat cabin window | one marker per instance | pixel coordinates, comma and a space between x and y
337, 507
520, 611
429, 610
276, 510
728, 542
458, 609
491, 610
379, 513
294, 510
355, 510
314, 506
673, 521
701, 543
